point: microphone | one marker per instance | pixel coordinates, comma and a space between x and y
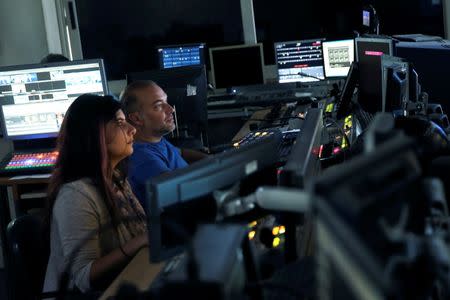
310, 76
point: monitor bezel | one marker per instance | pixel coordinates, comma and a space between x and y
211, 61
323, 55
298, 41
160, 47
48, 65
299, 169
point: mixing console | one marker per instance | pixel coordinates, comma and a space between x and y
289, 137
26, 163
277, 117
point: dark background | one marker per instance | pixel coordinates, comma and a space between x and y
125, 33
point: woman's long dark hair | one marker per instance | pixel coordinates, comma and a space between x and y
82, 150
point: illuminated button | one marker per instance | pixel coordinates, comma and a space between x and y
251, 234
276, 242
282, 229
275, 230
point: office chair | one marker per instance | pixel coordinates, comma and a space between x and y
29, 252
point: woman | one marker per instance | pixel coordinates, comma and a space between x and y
89, 197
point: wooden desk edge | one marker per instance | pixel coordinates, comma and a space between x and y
139, 272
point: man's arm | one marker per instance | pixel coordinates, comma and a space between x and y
191, 156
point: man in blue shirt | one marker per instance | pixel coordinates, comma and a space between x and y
145, 105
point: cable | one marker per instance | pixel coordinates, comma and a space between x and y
310, 76
340, 129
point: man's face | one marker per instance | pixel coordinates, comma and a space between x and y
155, 116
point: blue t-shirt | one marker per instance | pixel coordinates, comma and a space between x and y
149, 160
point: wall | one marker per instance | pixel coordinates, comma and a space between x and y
22, 32
22, 38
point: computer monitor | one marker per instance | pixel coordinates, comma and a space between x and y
181, 55
303, 162
238, 65
343, 104
395, 84
186, 91
430, 60
370, 23
304, 57
368, 56
337, 57
35, 98
183, 198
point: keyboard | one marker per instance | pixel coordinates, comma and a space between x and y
28, 163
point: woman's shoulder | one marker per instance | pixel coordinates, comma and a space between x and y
81, 185
81, 188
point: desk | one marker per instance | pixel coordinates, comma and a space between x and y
18, 188
139, 272
258, 115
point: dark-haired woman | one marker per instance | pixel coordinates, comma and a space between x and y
90, 197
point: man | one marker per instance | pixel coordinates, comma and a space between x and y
145, 105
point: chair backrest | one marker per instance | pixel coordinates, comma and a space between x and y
29, 251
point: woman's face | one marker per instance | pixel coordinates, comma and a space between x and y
119, 138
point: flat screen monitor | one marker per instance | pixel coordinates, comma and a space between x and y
181, 55
368, 56
432, 63
183, 198
35, 98
303, 162
337, 57
186, 91
344, 102
238, 65
304, 57
395, 83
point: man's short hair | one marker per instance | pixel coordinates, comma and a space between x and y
129, 99
53, 57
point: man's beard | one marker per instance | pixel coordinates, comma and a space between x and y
166, 130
